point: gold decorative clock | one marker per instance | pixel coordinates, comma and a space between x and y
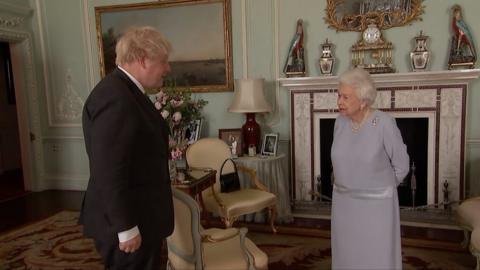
372, 52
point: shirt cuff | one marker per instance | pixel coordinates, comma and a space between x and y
127, 235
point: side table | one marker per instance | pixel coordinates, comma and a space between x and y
196, 181
271, 172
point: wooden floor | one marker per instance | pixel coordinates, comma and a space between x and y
11, 184
35, 206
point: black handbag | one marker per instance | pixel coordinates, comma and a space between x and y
229, 182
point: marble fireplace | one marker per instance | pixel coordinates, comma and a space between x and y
432, 104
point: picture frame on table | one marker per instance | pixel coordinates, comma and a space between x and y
234, 138
205, 67
194, 129
270, 144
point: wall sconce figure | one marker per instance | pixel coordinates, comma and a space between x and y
295, 64
327, 60
462, 46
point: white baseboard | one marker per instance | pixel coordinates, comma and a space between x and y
65, 182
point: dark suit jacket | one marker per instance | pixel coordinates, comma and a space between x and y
127, 144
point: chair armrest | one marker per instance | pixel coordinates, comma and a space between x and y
217, 198
217, 235
253, 177
214, 235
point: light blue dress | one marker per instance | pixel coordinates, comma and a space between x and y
368, 165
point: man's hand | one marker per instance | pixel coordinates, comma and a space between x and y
131, 245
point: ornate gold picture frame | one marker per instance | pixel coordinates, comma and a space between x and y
199, 31
354, 15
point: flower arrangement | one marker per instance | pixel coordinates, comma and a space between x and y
179, 110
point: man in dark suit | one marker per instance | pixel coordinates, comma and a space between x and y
127, 208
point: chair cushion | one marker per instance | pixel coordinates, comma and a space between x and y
468, 213
241, 202
180, 263
215, 259
217, 234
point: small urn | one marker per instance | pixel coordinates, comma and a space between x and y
327, 60
420, 55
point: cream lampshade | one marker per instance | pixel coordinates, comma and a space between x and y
249, 98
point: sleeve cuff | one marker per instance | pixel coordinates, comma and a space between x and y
127, 235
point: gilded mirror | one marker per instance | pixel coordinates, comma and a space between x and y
354, 15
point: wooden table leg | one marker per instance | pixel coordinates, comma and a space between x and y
203, 213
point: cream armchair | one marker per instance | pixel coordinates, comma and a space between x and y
211, 153
468, 217
192, 247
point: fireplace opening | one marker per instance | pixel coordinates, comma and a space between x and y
415, 135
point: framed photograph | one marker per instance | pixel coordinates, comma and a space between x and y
269, 146
193, 131
233, 137
204, 67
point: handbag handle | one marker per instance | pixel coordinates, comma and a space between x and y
225, 161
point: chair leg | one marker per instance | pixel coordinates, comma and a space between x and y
466, 238
272, 210
228, 221
169, 265
475, 253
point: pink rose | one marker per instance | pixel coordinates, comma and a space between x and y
176, 103
176, 153
161, 97
158, 105
165, 114
177, 116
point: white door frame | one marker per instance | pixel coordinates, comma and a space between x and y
26, 92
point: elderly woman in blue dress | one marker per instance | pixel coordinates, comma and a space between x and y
369, 161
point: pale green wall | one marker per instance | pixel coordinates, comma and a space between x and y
67, 28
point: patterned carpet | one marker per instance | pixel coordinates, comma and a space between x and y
57, 243
53, 243
313, 253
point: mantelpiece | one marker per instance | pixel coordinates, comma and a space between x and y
439, 96
387, 80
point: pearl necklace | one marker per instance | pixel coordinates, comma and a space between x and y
356, 126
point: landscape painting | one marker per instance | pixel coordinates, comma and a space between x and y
199, 31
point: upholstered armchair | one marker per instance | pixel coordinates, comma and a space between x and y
192, 247
468, 217
211, 153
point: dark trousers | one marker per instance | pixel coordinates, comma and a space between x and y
147, 257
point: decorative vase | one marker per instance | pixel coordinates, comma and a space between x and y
420, 55
327, 60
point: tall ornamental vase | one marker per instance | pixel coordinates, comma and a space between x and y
327, 60
420, 55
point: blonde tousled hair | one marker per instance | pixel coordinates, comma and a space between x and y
140, 42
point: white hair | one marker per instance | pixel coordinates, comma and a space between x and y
362, 83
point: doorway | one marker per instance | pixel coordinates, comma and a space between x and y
11, 171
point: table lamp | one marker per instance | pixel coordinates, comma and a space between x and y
248, 98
